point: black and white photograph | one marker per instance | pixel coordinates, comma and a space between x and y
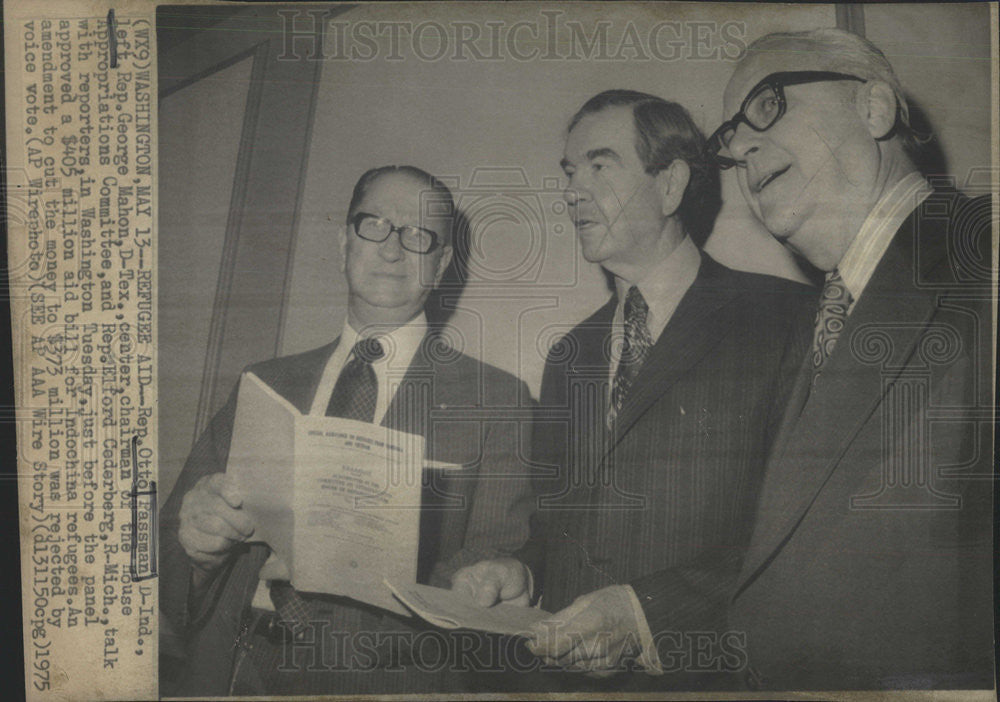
575, 349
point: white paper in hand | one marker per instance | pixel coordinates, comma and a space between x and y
450, 609
338, 501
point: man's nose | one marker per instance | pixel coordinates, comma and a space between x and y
391, 249
743, 142
573, 193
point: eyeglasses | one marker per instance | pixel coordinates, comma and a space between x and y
762, 107
377, 229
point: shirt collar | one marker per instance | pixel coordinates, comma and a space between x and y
664, 284
399, 343
880, 226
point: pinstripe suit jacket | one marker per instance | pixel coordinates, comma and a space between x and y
469, 412
665, 501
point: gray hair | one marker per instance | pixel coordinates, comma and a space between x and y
846, 52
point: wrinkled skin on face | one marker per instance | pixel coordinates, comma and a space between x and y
388, 284
813, 176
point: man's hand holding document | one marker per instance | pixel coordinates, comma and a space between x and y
457, 609
338, 501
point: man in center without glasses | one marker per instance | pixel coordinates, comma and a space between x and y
656, 413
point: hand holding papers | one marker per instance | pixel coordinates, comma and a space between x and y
338, 501
495, 580
453, 609
212, 524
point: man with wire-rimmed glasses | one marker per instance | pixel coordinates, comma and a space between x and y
869, 565
246, 629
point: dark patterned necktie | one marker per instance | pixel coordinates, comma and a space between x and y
634, 351
833, 307
292, 608
356, 390
353, 397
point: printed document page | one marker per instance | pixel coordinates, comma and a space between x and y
449, 609
337, 500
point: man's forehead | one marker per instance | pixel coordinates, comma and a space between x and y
605, 128
396, 190
403, 184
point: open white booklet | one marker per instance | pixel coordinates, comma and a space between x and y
449, 609
338, 501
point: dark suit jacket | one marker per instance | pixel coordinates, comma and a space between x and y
663, 502
870, 562
469, 412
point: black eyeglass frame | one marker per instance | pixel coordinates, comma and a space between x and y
777, 83
359, 217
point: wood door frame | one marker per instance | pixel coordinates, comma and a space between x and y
851, 17
249, 308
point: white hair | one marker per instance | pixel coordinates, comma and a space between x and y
844, 52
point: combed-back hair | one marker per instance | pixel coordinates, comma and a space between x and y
837, 50
664, 132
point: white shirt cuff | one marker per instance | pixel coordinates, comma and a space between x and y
648, 659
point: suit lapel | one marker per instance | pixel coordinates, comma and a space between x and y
794, 406
592, 342
410, 406
878, 339
696, 326
298, 381
586, 393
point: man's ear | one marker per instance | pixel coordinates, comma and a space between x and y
671, 183
342, 243
877, 106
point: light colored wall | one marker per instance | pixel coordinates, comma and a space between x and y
455, 118
196, 182
941, 54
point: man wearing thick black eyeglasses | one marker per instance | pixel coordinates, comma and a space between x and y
869, 566
247, 631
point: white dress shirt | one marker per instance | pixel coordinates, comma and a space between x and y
400, 346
